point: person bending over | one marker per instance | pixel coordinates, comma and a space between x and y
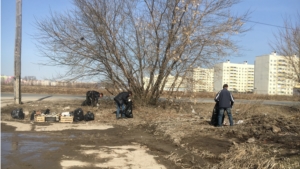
121, 99
92, 98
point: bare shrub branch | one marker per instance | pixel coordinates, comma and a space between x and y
287, 43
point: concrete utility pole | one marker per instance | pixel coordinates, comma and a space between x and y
18, 40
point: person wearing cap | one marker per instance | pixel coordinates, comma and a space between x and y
226, 101
121, 99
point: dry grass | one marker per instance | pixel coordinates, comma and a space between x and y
247, 156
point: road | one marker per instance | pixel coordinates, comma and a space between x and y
8, 98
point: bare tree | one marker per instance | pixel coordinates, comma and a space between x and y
287, 43
126, 41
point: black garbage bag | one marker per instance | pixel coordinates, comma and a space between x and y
47, 111
78, 115
17, 114
32, 115
89, 116
214, 116
128, 110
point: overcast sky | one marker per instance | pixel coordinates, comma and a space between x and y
266, 18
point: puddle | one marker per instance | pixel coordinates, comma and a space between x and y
27, 146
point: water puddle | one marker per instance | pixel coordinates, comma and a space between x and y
27, 146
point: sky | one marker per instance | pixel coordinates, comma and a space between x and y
253, 43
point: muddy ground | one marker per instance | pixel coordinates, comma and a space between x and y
169, 135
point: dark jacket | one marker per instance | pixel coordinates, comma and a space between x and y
122, 98
92, 95
225, 99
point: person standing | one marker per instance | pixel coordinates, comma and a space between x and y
121, 99
226, 101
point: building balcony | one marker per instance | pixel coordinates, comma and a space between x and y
282, 61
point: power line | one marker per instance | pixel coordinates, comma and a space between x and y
267, 24
261, 23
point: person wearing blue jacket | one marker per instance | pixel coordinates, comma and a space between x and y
121, 99
226, 101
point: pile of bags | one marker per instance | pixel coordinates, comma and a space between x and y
77, 114
17, 114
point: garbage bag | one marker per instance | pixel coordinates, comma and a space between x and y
89, 116
47, 111
17, 114
128, 110
214, 116
78, 115
32, 115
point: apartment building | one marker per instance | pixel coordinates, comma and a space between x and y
171, 84
200, 79
273, 75
239, 77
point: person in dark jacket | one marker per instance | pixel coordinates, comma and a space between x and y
226, 101
92, 98
121, 99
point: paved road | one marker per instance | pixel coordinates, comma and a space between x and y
8, 98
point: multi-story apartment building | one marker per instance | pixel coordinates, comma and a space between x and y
200, 79
239, 77
178, 85
273, 75
171, 84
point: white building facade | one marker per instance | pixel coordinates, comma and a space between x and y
200, 79
239, 77
272, 74
171, 84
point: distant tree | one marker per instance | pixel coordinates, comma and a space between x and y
29, 78
287, 43
128, 40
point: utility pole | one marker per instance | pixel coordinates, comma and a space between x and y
18, 40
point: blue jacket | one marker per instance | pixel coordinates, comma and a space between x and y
225, 99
